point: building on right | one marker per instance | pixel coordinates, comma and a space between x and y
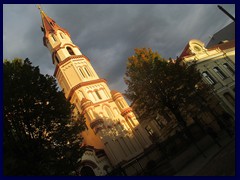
217, 66
226, 33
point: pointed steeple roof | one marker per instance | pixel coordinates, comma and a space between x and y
49, 26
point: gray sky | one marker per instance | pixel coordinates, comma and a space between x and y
108, 34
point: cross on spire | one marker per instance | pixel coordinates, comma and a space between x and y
39, 7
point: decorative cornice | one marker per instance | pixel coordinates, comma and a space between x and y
54, 50
85, 103
126, 111
115, 94
95, 104
68, 59
187, 52
96, 123
84, 84
102, 102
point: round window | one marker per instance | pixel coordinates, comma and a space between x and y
197, 48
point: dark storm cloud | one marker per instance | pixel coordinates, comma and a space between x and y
108, 34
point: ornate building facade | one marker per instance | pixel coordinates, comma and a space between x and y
113, 135
217, 66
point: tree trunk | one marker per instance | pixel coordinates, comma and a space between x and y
182, 122
180, 119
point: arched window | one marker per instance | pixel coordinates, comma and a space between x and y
54, 38
149, 130
209, 78
82, 73
70, 51
61, 34
229, 68
92, 97
229, 98
101, 92
87, 171
109, 112
98, 95
85, 68
219, 73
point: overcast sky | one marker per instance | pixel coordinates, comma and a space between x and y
108, 34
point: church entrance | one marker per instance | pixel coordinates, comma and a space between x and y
87, 171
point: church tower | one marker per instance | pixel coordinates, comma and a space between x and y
111, 124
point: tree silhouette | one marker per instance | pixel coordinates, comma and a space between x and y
41, 134
161, 85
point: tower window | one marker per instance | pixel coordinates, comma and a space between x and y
229, 68
220, 73
92, 97
149, 130
98, 95
61, 34
54, 38
209, 78
70, 51
87, 71
102, 93
82, 73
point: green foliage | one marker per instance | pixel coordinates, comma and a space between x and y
159, 84
41, 136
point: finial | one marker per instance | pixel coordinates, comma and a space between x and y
39, 7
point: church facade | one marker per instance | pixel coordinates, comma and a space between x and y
113, 135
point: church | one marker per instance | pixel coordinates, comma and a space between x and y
113, 136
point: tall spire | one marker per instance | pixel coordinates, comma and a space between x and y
49, 26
